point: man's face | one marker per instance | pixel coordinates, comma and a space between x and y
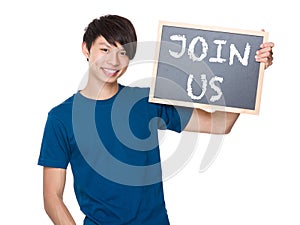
107, 62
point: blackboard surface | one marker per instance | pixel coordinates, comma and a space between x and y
208, 67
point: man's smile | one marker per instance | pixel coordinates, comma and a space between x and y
110, 72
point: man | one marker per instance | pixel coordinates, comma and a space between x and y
108, 134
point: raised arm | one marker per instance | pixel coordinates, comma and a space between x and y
53, 187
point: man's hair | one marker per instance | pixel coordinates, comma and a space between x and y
115, 29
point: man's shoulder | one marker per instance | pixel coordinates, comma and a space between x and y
63, 109
133, 93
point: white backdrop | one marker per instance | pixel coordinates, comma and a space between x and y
255, 178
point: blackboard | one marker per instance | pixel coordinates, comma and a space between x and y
208, 67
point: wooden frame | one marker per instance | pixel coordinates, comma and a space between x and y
207, 106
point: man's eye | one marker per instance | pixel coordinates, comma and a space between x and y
123, 53
105, 50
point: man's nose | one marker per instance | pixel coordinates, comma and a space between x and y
113, 58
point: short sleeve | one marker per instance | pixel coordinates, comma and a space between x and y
174, 118
55, 151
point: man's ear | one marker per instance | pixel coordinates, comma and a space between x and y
85, 50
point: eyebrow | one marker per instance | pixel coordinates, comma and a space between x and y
104, 43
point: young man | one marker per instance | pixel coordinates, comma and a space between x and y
108, 134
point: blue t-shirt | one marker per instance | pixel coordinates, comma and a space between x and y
112, 147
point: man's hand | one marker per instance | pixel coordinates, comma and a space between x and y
265, 54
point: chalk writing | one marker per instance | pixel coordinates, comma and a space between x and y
218, 59
234, 51
212, 84
191, 50
219, 50
181, 38
190, 90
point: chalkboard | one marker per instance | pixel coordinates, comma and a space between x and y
208, 67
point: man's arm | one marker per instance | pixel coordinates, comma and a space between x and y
213, 123
53, 187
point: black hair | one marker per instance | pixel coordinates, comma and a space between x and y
115, 29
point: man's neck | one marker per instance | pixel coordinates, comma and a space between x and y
100, 92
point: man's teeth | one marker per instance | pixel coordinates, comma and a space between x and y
110, 71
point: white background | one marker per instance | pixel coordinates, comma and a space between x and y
255, 178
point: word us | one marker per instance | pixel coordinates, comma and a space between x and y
217, 58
